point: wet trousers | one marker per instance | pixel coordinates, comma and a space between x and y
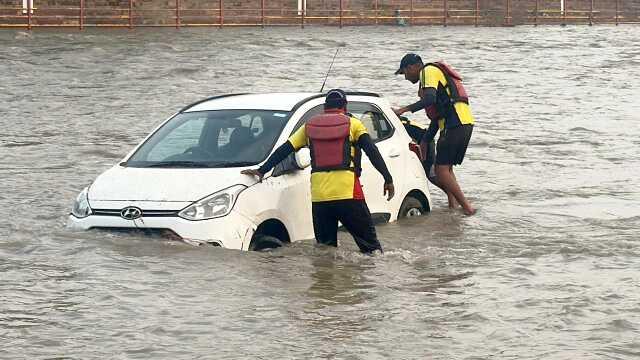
354, 216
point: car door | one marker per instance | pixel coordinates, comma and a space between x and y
381, 131
293, 183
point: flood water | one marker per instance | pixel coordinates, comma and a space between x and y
549, 268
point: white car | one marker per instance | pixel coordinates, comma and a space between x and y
184, 178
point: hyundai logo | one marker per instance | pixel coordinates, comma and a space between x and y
131, 213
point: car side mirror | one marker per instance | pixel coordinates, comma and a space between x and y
303, 158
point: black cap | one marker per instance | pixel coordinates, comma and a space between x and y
407, 60
336, 98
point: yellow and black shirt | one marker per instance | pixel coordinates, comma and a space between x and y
432, 77
334, 184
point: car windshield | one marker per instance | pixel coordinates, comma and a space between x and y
220, 138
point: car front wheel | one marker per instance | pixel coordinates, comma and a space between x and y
264, 242
410, 207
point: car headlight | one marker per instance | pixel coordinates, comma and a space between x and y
218, 204
81, 208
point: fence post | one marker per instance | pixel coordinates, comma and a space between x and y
130, 14
81, 15
221, 15
477, 13
341, 8
177, 14
564, 13
617, 12
262, 12
303, 9
29, 9
445, 12
591, 14
375, 5
411, 13
537, 11
507, 16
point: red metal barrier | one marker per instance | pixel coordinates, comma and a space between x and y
99, 13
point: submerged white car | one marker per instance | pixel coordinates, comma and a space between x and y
184, 178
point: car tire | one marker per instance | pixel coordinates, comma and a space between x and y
410, 207
264, 242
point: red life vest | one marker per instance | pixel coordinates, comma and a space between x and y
329, 142
458, 94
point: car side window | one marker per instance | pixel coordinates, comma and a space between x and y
374, 120
377, 124
316, 110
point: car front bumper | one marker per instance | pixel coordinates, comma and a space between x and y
233, 231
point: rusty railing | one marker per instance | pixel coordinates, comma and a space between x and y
98, 13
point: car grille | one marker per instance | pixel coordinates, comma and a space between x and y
159, 232
153, 232
145, 213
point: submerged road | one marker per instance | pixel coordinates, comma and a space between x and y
549, 268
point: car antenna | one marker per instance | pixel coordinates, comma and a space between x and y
330, 66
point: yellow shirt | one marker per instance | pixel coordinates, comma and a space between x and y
334, 184
431, 76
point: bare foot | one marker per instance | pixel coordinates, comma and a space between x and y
452, 201
469, 211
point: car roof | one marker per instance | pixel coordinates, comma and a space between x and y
266, 101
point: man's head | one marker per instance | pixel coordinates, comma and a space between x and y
336, 99
410, 66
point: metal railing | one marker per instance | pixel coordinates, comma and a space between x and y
129, 15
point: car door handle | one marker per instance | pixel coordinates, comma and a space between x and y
394, 153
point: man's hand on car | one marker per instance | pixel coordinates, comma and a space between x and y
399, 111
253, 172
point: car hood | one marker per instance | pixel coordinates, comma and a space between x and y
163, 184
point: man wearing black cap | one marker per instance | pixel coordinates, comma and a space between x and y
336, 193
445, 101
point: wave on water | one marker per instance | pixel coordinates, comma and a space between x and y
22, 144
582, 129
183, 71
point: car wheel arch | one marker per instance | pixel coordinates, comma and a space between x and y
271, 228
418, 195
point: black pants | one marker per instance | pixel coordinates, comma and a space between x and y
353, 214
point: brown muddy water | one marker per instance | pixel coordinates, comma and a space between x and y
549, 268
